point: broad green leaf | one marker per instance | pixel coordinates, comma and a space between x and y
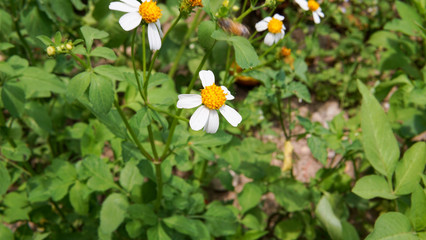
300, 69
89, 34
211, 140
417, 212
4, 179
383, 39
135, 228
40, 114
5, 233
45, 40
300, 90
157, 233
20, 153
79, 198
5, 24
40, 236
78, 85
328, 219
380, 145
58, 37
408, 13
35, 21
13, 97
37, 80
349, 232
101, 178
205, 30
250, 196
193, 228
17, 207
392, 226
220, 35
103, 52
288, 229
220, 220
318, 148
409, 169
130, 176
144, 213
5, 46
291, 194
111, 72
113, 212
245, 55
101, 93
372, 186
63, 10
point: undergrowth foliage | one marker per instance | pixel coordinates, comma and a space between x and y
166, 120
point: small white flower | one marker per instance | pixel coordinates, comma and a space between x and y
213, 98
136, 12
275, 27
314, 7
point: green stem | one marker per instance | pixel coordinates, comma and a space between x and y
145, 80
167, 113
134, 67
62, 215
188, 90
278, 96
184, 43
17, 166
18, 31
244, 14
132, 133
83, 64
271, 48
159, 184
151, 141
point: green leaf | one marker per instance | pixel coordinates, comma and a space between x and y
13, 97
318, 148
349, 231
5, 233
20, 154
101, 93
288, 229
417, 212
249, 197
410, 168
113, 212
5, 46
58, 38
38, 80
193, 228
5, 24
78, 85
101, 178
328, 219
63, 9
205, 30
220, 220
220, 35
157, 233
211, 140
300, 69
300, 90
380, 145
35, 21
408, 13
143, 212
4, 179
111, 72
130, 176
45, 40
245, 55
392, 225
291, 194
373, 186
104, 52
89, 34
79, 198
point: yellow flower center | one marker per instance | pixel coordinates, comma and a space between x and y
149, 11
275, 26
312, 5
196, 3
213, 97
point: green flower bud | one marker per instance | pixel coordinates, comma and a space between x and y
51, 51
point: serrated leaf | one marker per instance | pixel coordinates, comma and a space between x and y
5, 233
78, 85
373, 186
101, 93
318, 148
220, 220
291, 194
193, 228
130, 176
13, 97
392, 225
113, 212
417, 212
4, 179
79, 198
410, 168
205, 30
380, 145
245, 55
101, 178
45, 40
104, 52
89, 34
249, 197
157, 233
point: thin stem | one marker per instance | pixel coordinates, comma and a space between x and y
132, 133
145, 80
244, 14
83, 64
289, 115
151, 141
62, 215
278, 96
271, 48
134, 67
188, 90
17, 166
167, 113
159, 184
18, 31
184, 43
244, 5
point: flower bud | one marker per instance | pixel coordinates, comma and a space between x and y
51, 51
69, 46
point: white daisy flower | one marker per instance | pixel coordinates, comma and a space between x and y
213, 98
136, 12
314, 7
275, 27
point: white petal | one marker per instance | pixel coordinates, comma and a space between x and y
320, 13
278, 37
231, 115
228, 94
279, 17
261, 26
303, 4
154, 38
207, 78
159, 28
212, 122
122, 7
189, 101
269, 39
316, 17
199, 118
132, 3
283, 27
130, 21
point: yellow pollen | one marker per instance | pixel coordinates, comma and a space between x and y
149, 11
196, 3
213, 97
275, 26
312, 5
